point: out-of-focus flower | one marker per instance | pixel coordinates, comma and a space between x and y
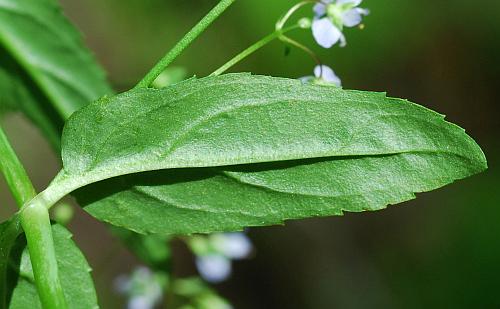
215, 252
323, 75
331, 16
214, 268
143, 288
235, 246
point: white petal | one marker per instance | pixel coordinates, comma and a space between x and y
351, 18
327, 74
325, 33
343, 41
320, 8
213, 268
233, 245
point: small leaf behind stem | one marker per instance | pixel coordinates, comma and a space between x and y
73, 268
42, 41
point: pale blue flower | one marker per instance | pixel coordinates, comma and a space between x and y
235, 246
323, 75
214, 254
140, 302
331, 16
143, 288
213, 268
326, 34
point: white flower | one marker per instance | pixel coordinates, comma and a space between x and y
326, 74
323, 75
326, 34
331, 16
214, 267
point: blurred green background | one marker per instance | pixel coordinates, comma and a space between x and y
439, 251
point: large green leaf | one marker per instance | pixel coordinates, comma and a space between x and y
17, 93
42, 41
73, 269
311, 151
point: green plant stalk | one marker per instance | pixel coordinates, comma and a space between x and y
287, 40
36, 224
282, 21
14, 173
253, 48
198, 29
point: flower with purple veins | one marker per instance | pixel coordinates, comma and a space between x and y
331, 16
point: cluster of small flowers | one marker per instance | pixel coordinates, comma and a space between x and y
143, 288
214, 254
330, 18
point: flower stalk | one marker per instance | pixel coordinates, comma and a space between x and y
253, 48
184, 43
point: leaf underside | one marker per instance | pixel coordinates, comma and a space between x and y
185, 201
223, 153
74, 274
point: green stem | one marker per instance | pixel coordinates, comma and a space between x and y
184, 43
35, 222
14, 173
287, 40
281, 23
250, 50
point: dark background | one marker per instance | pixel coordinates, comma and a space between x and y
439, 251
